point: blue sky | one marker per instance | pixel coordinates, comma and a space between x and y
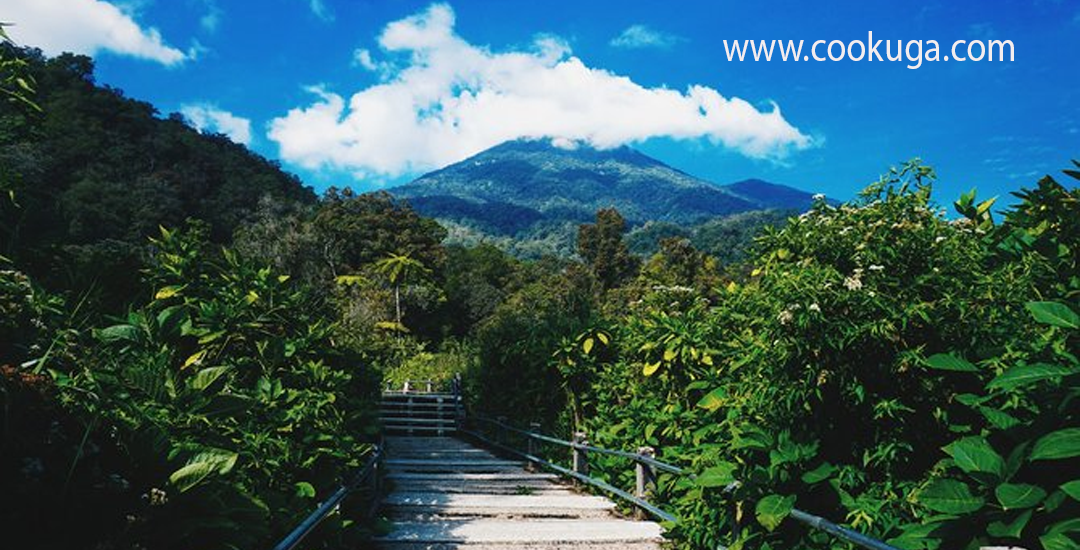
372, 93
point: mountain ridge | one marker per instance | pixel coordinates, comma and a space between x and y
521, 188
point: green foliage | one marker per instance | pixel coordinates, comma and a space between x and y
228, 398
911, 376
95, 173
602, 247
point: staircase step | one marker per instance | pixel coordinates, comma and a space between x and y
449, 505
491, 534
409, 465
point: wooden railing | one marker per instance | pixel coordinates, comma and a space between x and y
646, 467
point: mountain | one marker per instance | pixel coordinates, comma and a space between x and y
529, 195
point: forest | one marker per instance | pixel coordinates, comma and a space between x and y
192, 344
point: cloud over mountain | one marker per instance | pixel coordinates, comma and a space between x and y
442, 99
208, 118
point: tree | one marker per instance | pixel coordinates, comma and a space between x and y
601, 246
399, 269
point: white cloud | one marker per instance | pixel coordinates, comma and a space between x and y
87, 27
637, 37
211, 20
208, 118
319, 8
449, 99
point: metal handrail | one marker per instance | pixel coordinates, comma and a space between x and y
293, 539
801, 516
636, 457
640, 502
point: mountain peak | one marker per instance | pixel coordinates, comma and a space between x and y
526, 187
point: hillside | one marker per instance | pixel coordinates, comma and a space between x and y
528, 195
94, 173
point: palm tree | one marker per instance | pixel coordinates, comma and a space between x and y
400, 269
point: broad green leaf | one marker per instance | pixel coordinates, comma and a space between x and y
1058, 541
650, 368
587, 345
1067, 526
819, 474
1072, 489
713, 400
720, 475
603, 337
207, 376
1013, 529
947, 361
1056, 445
1017, 496
305, 490
1027, 374
772, 510
202, 465
974, 454
1054, 314
914, 537
166, 292
669, 354
170, 319
949, 496
194, 358
118, 333
1001, 420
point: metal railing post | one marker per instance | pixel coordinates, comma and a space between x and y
646, 479
530, 443
580, 456
500, 435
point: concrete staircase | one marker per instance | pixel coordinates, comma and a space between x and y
408, 413
448, 494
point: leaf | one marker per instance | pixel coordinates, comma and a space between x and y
119, 333
720, 475
772, 510
1072, 489
949, 496
1017, 496
587, 345
603, 337
166, 292
1013, 530
1054, 314
669, 354
713, 400
1027, 374
207, 376
194, 358
1057, 541
819, 474
650, 368
947, 361
305, 489
170, 319
974, 454
1056, 445
202, 465
1001, 420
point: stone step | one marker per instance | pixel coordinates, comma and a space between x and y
450, 505
413, 420
490, 534
409, 465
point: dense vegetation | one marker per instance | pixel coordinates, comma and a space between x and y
191, 343
877, 363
